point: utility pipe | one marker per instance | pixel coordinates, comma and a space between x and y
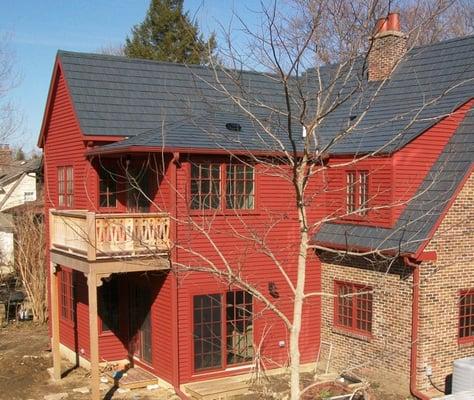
415, 314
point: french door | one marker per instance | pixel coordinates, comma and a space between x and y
140, 323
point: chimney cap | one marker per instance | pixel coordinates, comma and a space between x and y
388, 24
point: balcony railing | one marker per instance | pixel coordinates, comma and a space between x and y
99, 236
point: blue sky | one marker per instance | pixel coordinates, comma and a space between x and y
39, 28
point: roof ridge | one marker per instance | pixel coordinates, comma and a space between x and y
126, 59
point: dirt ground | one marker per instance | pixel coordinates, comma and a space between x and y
24, 359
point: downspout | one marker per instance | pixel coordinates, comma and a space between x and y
174, 305
415, 318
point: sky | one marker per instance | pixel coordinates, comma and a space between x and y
37, 29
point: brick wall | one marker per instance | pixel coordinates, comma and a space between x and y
387, 49
440, 285
385, 357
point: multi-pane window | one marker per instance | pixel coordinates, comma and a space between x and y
207, 311
108, 305
205, 186
207, 181
210, 312
67, 295
353, 307
357, 192
107, 189
66, 187
239, 327
466, 315
240, 187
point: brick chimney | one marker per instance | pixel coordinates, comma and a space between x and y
389, 45
6, 156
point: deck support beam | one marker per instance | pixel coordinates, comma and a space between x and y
55, 321
93, 336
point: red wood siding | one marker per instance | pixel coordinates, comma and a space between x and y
274, 216
413, 162
380, 189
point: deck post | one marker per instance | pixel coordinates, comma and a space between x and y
93, 336
54, 310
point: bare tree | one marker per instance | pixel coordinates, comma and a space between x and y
112, 49
10, 119
289, 143
30, 258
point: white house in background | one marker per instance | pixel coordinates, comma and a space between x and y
18, 185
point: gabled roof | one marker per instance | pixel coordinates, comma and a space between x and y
157, 102
19, 168
415, 225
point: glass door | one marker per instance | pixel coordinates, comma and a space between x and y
140, 323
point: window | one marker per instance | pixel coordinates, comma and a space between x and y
240, 187
466, 315
29, 196
209, 313
239, 327
357, 193
207, 331
65, 187
67, 295
108, 305
353, 307
205, 186
107, 189
208, 179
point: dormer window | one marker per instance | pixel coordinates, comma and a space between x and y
357, 192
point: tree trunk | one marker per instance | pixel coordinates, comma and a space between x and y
297, 316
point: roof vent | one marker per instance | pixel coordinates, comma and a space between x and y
232, 126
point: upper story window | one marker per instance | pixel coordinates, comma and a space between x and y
357, 192
107, 189
205, 186
208, 181
353, 307
65, 187
466, 315
240, 187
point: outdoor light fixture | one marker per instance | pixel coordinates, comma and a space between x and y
272, 289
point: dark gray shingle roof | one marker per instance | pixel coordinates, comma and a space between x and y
119, 96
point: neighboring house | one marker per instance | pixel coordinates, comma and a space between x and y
114, 125
18, 186
7, 243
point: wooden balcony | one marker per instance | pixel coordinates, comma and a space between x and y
95, 237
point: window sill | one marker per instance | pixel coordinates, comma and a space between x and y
365, 337
222, 213
465, 343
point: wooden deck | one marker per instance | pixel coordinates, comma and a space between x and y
135, 378
218, 389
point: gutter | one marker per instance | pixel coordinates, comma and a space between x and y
415, 314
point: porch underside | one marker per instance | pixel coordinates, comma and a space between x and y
96, 271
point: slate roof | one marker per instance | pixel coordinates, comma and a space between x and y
157, 104
164, 103
421, 214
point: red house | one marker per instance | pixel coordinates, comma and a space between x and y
152, 186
